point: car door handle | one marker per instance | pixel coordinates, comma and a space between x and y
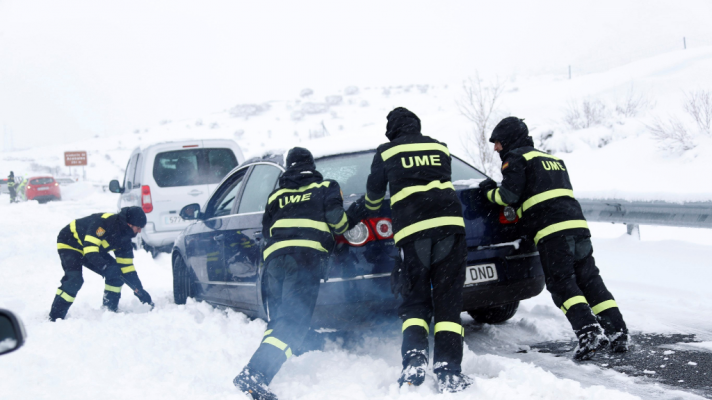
195, 192
219, 238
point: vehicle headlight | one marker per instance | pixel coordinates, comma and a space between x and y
357, 235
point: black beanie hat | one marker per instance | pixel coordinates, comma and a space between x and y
509, 130
299, 157
134, 216
401, 121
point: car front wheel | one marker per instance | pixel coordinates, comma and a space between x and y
182, 282
494, 315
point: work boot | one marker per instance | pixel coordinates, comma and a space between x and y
253, 384
111, 301
453, 382
620, 341
414, 371
59, 309
591, 339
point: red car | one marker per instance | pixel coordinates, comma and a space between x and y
42, 189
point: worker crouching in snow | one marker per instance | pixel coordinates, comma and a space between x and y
537, 185
87, 242
300, 219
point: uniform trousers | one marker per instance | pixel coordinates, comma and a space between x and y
435, 270
576, 286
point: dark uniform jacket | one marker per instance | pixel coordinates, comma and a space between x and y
97, 235
537, 185
302, 215
423, 200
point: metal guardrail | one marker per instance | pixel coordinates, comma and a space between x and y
631, 213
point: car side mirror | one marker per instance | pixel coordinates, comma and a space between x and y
114, 187
191, 212
12, 332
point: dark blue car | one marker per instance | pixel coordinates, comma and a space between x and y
217, 259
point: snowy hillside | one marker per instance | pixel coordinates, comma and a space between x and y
617, 155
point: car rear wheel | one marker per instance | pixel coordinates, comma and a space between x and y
182, 282
494, 315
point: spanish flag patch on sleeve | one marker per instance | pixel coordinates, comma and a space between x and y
505, 165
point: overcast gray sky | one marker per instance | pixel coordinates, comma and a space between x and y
75, 68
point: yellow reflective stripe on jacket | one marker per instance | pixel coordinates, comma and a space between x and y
534, 154
267, 332
416, 322
427, 224
128, 269
446, 326
104, 244
603, 306
402, 148
374, 202
405, 192
301, 189
294, 243
494, 197
299, 223
541, 197
342, 224
65, 296
278, 344
73, 228
115, 289
373, 208
573, 224
62, 246
124, 260
572, 302
92, 239
106, 215
91, 249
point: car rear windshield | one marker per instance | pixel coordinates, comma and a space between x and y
41, 181
351, 171
192, 167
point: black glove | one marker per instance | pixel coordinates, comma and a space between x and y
487, 185
357, 211
111, 271
143, 297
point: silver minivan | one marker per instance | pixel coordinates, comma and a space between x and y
164, 177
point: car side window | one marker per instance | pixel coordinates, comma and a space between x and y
222, 202
138, 169
259, 186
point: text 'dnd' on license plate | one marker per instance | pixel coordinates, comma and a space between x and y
480, 273
173, 219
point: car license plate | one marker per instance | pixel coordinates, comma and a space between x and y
480, 273
43, 188
173, 219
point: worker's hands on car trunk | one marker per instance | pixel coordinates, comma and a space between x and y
357, 211
487, 185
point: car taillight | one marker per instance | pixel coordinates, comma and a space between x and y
146, 202
368, 230
508, 215
56, 184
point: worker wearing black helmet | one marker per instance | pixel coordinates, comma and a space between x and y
87, 241
537, 185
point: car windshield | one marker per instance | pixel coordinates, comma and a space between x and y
41, 181
351, 171
192, 167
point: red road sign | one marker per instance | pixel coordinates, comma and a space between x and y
75, 158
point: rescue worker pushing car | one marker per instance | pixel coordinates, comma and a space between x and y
537, 185
298, 225
87, 241
430, 235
